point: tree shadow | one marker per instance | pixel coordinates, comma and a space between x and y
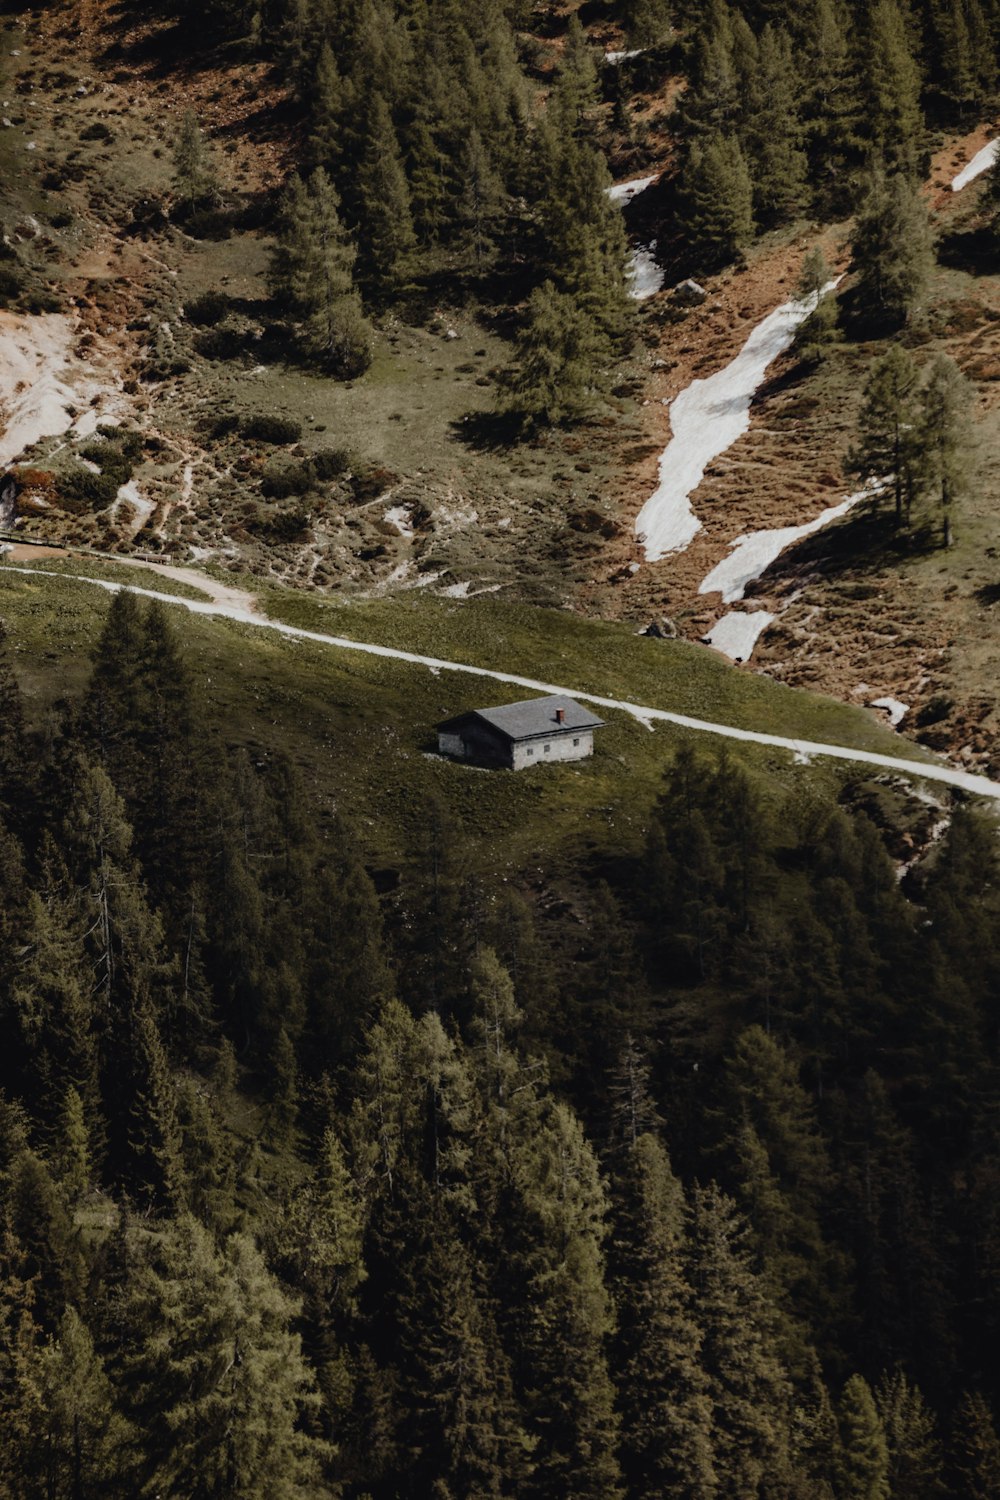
972, 250
489, 431
988, 595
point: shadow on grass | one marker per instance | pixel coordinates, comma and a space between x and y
988, 595
973, 250
490, 431
864, 542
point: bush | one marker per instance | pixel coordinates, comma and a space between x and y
268, 429
282, 525
226, 342
372, 482
97, 132
83, 487
330, 463
281, 480
220, 427
10, 285
208, 309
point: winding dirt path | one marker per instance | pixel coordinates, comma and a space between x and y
803, 750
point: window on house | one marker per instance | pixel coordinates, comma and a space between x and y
530, 751
547, 749
576, 742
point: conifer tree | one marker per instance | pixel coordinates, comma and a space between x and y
892, 249
15, 762
975, 1449
662, 1393
557, 369
831, 106
818, 332
864, 1456
557, 1314
772, 131
715, 200
913, 1445
889, 439
194, 179
891, 87
747, 1386
945, 438
311, 273
212, 1373
385, 222
646, 22
77, 1442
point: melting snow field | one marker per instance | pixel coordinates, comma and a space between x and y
613, 59
752, 555
707, 418
44, 389
980, 163
736, 634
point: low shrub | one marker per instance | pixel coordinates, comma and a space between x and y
265, 428
80, 487
208, 309
330, 463
281, 480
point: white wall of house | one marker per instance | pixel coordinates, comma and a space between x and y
574, 744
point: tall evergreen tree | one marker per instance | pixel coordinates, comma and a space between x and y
889, 439
864, 1461
892, 249
945, 439
662, 1393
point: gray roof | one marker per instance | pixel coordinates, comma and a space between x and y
533, 717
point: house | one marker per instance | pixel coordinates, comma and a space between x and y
534, 732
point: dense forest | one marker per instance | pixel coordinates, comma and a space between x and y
686, 1187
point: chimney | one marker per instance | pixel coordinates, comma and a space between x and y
560, 716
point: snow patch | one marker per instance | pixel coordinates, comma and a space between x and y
614, 59
980, 163
754, 553
42, 385
897, 711
737, 633
707, 418
400, 517
644, 276
624, 192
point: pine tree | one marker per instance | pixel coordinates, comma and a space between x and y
556, 1311
831, 106
715, 200
945, 438
747, 1386
646, 22
15, 758
864, 1457
889, 439
385, 221
914, 1449
892, 249
311, 273
195, 182
891, 87
662, 1397
975, 1449
772, 131
212, 1373
557, 368
77, 1443
818, 332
